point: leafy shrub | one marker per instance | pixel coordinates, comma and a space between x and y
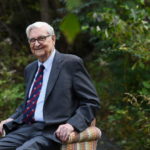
11, 78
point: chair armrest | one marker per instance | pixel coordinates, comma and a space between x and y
89, 134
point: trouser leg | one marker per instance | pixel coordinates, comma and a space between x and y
39, 143
11, 142
28, 137
15, 138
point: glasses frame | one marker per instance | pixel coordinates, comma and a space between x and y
39, 39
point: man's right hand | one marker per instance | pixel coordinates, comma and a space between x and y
3, 122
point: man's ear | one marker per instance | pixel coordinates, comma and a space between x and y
54, 38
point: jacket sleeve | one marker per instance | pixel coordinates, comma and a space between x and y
18, 112
87, 96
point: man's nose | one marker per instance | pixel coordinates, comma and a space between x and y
36, 43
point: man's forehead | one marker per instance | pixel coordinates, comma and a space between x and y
40, 31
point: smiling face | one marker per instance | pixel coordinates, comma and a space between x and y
40, 43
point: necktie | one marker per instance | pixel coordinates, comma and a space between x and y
31, 102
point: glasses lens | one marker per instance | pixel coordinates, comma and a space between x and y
41, 38
32, 40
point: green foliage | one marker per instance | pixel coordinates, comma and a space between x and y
70, 26
73, 4
10, 97
125, 99
120, 33
11, 78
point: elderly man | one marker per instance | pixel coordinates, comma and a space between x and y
59, 97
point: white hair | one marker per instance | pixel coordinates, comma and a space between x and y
39, 24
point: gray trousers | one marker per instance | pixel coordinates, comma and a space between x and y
28, 137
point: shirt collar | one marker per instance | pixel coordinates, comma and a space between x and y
49, 61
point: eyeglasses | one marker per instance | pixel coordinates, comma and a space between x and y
40, 39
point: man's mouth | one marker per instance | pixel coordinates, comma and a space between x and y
38, 48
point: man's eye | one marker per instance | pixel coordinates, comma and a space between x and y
41, 38
32, 40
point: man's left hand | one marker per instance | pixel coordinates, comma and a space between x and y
64, 131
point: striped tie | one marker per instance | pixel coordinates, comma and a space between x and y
31, 102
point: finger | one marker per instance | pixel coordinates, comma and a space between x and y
64, 134
57, 132
61, 133
65, 138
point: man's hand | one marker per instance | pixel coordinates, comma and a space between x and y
3, 122
64, 131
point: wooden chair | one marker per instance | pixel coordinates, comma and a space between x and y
86, 140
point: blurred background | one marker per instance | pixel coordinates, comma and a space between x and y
112, 37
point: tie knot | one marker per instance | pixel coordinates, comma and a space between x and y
42, 67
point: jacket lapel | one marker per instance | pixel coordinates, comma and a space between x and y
32, 72
56, 67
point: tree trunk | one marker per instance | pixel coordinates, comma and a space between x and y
45, 11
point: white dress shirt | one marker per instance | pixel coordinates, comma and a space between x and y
38, 115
